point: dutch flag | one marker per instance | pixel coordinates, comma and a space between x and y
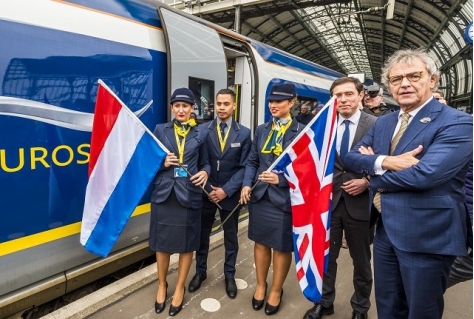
124, 158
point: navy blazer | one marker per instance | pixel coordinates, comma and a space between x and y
195, 156
423, 206
357, 206
227, 167
259, 162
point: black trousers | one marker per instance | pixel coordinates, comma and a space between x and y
231, 243
358, 237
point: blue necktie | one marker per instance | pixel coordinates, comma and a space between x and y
223, 128
345, 140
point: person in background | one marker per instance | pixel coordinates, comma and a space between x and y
350, 205
270, 222
228, 144
176, 199
193, 116
416, 184
305, 115
440, 97
373, 101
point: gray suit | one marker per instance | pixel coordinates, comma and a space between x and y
351, 215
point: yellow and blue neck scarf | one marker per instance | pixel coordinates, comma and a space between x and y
182, 128
274, 144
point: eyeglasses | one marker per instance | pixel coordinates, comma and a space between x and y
412, 77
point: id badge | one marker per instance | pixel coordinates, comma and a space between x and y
180, 172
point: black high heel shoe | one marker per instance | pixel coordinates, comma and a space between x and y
258, 304
271, 310
175, 310
159, 307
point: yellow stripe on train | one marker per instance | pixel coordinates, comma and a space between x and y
30, 241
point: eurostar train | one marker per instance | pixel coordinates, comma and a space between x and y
52, 53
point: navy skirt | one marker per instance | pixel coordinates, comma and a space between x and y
173, 227
270, 225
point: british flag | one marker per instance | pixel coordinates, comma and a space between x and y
308, 165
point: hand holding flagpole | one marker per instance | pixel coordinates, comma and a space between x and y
237, 206
202, 187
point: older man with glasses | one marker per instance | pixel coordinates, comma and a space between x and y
417, 161
373, 101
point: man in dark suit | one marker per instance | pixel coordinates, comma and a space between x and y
228, 144
350, 205
417, 159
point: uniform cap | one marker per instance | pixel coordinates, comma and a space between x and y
280, 92
182, 95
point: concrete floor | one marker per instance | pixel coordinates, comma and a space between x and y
140, 302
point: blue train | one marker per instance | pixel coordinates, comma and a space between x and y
52, 53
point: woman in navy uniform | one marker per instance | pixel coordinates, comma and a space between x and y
269, 204
177, 197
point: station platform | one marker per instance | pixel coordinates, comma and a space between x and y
134, 296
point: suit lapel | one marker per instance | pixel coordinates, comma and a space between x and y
360, 130
213, 135
387, 134
428, 113
291, 133
169, 133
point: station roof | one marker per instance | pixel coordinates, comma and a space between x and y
355, 36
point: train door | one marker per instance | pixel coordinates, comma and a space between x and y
196, 59
240, 77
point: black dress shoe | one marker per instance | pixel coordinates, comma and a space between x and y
160, 306
271, 310
258, 304
359, 315
195, 283
318, 311
231, 287
175, 310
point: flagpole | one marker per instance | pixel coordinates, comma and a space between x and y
235, 208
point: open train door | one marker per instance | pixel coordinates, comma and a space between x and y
196, 59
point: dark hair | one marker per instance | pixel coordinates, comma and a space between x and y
347, 79
227, 91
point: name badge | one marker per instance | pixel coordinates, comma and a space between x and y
180, 172
235, 145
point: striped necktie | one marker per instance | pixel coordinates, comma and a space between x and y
403, 127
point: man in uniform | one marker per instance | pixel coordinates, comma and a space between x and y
228, 144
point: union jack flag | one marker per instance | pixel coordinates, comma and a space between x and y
308, 165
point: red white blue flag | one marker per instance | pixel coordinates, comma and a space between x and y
124, 158
308, 165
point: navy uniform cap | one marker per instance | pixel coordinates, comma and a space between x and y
280, 92
182, 95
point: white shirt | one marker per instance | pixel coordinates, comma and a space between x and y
378, 162
354, 121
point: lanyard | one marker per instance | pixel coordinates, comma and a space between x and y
219, 135
180, 143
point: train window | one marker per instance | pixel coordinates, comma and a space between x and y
311, 103
204, 95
